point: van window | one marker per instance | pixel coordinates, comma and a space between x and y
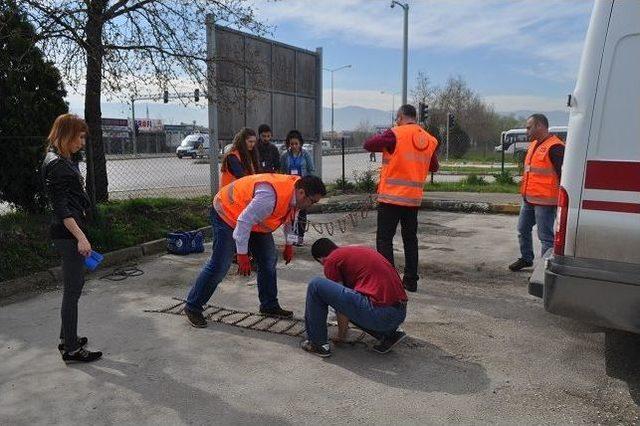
621, 110
562, 135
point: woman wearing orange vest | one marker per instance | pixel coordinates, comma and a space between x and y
243, 158
408, 155
539, 188
244, 214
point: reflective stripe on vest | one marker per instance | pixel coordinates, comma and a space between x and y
404, 182
545, 171
404, 172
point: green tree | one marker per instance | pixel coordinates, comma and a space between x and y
459, 142
32, 96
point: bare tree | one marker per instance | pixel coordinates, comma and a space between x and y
424, 91
118, 47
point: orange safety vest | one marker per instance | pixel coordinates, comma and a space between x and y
405, 170
232, 199
540, 184
226, 177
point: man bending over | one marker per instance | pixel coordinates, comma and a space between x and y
364, 289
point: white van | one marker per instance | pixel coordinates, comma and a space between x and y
594, 271
194, 145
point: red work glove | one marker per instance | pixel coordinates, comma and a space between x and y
287, 254
244, 264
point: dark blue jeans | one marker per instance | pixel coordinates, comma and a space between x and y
378, 321
261, 246
541, 216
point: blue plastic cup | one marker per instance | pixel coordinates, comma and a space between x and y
93, 260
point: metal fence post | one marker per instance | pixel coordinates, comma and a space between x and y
317, 153
212, 99
344, 182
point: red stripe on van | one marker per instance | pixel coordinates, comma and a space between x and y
613, 175
611, 206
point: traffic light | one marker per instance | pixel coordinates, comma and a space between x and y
423, 111
196, 95
452, 120
166, 96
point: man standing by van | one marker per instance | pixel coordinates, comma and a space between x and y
408, 155
539, 188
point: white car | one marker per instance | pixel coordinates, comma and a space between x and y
593, 273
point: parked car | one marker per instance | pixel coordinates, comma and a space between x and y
593, 273
194, 146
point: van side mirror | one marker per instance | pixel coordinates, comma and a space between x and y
569, 98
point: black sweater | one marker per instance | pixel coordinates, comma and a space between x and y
64, 186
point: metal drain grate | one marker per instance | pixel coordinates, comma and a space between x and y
294, 327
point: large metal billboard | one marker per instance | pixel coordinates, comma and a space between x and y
258, 80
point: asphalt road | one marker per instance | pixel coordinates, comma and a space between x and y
191, 177
481, 350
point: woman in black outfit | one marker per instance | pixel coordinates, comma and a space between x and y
65, 188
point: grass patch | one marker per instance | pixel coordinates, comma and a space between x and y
465, 186
25, 246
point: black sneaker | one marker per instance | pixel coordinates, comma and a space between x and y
81, 355
323, 351
276, 312
519, 264
196, 319
387, 343
410, 285
82, 341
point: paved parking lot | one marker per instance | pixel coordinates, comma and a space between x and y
483, 350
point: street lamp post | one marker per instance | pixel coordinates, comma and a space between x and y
405, 58
393, 106
332, 104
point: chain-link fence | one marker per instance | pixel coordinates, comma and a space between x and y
155, 170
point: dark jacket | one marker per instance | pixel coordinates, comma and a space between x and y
269, 157
64, 186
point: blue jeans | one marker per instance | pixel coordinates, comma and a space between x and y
378, 321
541, 216
261, 246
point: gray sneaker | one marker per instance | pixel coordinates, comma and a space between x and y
323, 351
196, 319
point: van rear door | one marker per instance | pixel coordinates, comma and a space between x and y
608, 225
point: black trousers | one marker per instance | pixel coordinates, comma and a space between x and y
302, 223
388, 217
73, 277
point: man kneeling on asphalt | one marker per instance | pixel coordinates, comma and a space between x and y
246, 212
363, 287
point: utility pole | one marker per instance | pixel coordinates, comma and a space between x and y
446, 157
405, 58
332, 103
134, 137
212, 99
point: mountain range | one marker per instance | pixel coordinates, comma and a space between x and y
345, 118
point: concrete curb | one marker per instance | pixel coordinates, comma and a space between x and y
427, 204
52, 277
